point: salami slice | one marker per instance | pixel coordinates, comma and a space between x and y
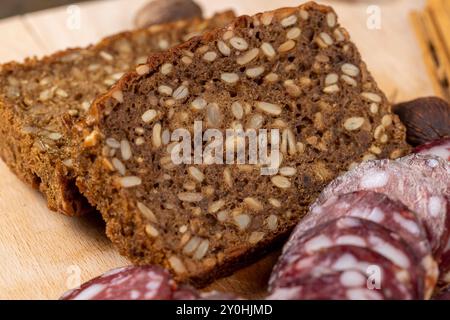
389, 281
431, 165
380, 209
440, 148
360, 233
337, 285
421, 194
373, 206
132, 283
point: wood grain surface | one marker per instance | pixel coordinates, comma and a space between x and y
42, 254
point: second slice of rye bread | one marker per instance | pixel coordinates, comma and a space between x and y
36, 97
293, 69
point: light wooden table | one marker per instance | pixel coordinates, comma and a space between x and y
43, 253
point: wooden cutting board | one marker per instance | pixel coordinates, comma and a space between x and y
42, 254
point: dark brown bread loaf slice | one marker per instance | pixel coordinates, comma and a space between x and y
294, 69
37, 95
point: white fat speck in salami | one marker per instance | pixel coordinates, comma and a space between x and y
351, 278
432, 163
317, 210
302, 263
343, 205
317, 243
134, 295
216, 295
435, 205
357, 212
409, 225
351, 240
119, 281
376, 215
90, 292
346, 261
285, 294
363, 294
374, 179
389, 251
348, 223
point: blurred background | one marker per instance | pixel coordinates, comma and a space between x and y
10, 8
402, 66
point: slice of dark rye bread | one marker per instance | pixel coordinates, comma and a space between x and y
37, 95
294, 69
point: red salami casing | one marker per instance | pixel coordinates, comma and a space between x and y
440, 148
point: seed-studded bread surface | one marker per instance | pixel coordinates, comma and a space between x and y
293, 69
36, 96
